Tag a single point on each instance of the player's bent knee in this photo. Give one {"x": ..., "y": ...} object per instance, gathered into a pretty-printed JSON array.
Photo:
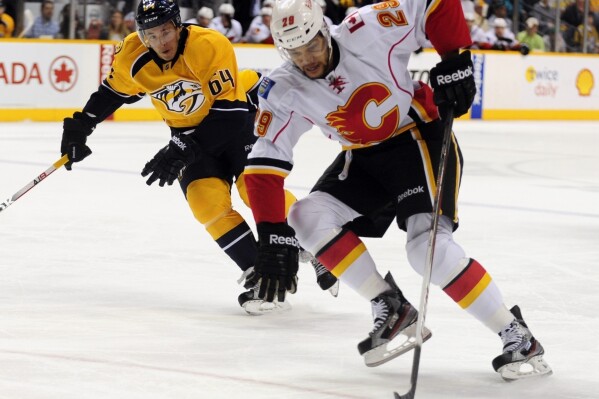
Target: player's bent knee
[
  {"x": 209, "y": 199},
  {"x": 448, "y": 260},
  {"x": 315, "y": 221}
]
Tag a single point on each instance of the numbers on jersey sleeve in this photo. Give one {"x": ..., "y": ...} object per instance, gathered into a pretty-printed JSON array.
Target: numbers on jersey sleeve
[
  {"x": 386, "y": 4},
  {"x": 221, "y": 79},
  {"x": 263, "y": 122},
  {"x": 388, "y": 18}
]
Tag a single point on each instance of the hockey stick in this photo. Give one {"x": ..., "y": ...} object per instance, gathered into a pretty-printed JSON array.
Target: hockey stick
[
  {"x": 29, "y": 19},
  {"x": 9, "y": 201},
  {"x": 430, "y": 252}
]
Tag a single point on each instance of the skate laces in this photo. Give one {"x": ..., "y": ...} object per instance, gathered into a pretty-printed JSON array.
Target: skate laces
[
  {"x": 515, "y": 337},
  {"x": 380, "y": 312}
]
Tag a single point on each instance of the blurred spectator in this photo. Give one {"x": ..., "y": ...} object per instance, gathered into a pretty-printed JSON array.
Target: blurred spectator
[
  {"x": 225, "y": 23},
  {"x": 65, "y": 24},
  {"x": 480, "y": 10},
  {"x": 499, "y": 9},
  {"x": 116, "y": 29},
  {"x": 94, "y": 29},
  {"x": 572, "y": 17},
  {"x": 129, "y": 21},
  {"x": 500, "y": 31},
  {"x": 477, "y": 35},
  {"x": 573, "y": 14},
  {"x": 530, "y": 36},
  {"x": 43, "y": 26},
  {"x": 204, "y": 18},
  {"x": 545, "y": 14},
  {"x": 592, "y": 36},
  {"x": 259, "y": 30},
  {"x": 556, "y": 43},
  {"x": 501, "y": 37},
  {"x": 467, "y": 6},
  {"x": 7, "y": 24}
]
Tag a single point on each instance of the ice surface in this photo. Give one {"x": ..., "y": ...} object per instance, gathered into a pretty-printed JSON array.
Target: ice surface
[{"x": 110, "y": 289}]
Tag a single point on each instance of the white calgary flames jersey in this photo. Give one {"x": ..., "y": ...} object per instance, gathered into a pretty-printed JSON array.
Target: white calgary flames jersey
[{"x": 364, "y": 100}]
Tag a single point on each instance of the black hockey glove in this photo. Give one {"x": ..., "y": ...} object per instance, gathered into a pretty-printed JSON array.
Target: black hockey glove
[
  {"x": 169, "y": 161},
  {"x": 277, "y": 262},
  {"x": 74, "y": 135},
  {"x": 453, "y": 83}
]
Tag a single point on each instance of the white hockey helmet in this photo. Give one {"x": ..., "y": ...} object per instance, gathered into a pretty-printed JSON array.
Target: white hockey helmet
[
  {"x": 206, "y": 12},
  {"x": 296, "y": 22},
  {"x": 226, "y": 9}
]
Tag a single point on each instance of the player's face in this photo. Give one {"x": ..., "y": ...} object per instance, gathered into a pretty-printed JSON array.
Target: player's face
[
  {"x": 312, "y": 58},
  {"x": 164, "y": 40}
]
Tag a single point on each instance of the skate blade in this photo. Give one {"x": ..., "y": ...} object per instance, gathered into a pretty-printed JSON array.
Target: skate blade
[
  {"x": 535, "y": 366},
  {"x": 334, "y": 289},
  {"x": 402, "y": 343},
  {"x": 259, "y": 307}
]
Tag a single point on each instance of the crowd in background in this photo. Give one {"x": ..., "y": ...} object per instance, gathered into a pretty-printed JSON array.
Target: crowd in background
[{"x": 247, "y": 21}]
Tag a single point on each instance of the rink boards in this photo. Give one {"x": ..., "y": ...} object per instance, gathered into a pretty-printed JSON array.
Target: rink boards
[{"x": 46, "y": 80}]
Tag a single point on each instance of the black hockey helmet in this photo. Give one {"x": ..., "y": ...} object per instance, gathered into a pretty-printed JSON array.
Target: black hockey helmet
[{"x": 152, "y": 13}]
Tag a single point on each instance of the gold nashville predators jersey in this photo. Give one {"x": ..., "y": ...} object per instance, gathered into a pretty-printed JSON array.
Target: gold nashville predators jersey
[{"x": 202, "y": 76}]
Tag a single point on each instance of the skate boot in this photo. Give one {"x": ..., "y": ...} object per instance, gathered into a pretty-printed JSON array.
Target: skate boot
[
  {"x": 522, "y": 355},
  {"x": 394, "y": 330},
  {"x": 255, "y": 306},
  {"x": 324, "y": 278}
]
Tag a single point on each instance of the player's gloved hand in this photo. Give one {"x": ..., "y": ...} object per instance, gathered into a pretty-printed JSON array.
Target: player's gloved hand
[
  {"x": 277, "y": 262},
  {"x": 74, "y": 135},
  {"x": 453, "y": 83},
  {"x": 169, "y": 161}
]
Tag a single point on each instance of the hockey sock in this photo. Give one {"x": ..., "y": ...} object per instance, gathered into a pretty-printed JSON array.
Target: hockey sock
[
  {"x": 476, "y": 292},
  {"x": 239, "y": 243},
  {"x": 347, "y": 258}
]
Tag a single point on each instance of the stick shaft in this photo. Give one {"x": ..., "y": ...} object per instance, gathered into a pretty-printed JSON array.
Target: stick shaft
[
  {"x": 56, "y": 165},
  {"x": 430, "y": 253}
]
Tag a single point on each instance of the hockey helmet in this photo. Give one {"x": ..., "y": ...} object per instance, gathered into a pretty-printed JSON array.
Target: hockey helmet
[
  {"x": 295, "y": 23},
  {"x": 152, "y": 13},
  {"x": 226, "y": 9}
]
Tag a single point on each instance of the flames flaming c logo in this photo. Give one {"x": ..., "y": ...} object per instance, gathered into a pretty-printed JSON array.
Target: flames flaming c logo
[{"x": 350, "y": 119}]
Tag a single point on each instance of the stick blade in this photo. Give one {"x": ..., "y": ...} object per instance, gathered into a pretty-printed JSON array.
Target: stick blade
[{"x": 408, "y": 395}]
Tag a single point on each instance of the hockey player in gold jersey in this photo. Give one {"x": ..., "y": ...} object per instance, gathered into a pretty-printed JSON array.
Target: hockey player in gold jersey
[{"x": 191, "y": 76}]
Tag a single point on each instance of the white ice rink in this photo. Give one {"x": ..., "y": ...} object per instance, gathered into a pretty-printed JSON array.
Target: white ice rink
[{"x": 109, "y": 289}]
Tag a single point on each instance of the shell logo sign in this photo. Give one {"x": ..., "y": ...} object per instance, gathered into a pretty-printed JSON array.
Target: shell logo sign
[{"x": 585, "y": 81}]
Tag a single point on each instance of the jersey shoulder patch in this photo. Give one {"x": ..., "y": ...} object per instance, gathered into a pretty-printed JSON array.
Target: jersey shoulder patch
[{"x": 265, "y": 87}]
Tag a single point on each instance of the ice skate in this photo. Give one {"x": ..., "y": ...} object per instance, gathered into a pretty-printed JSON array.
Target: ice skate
[
  {"x": 324, "y": 278},
  {"x": 522, "y": 355},
  {"x": 255, "y": 306},
  {"x": 394, "y": 330}
]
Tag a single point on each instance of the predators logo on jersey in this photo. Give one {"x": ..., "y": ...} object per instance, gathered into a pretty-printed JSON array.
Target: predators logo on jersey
[{"x": 181, "y": 97}]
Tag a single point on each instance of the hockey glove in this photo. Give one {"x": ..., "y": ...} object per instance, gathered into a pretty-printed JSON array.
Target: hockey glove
[
  {"x": 169, "y": 161},
  {"x": 453, "y": 83},
  {"x": 277, "y": 262},
  {"x": 74, "y": 135}
]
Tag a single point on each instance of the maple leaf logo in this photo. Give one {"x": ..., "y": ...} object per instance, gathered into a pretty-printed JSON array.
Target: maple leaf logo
[{"x": 63, "y": 74}]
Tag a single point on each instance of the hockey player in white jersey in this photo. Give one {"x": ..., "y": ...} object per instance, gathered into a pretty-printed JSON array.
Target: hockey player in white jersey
[{"x": 353, "y": 83}]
